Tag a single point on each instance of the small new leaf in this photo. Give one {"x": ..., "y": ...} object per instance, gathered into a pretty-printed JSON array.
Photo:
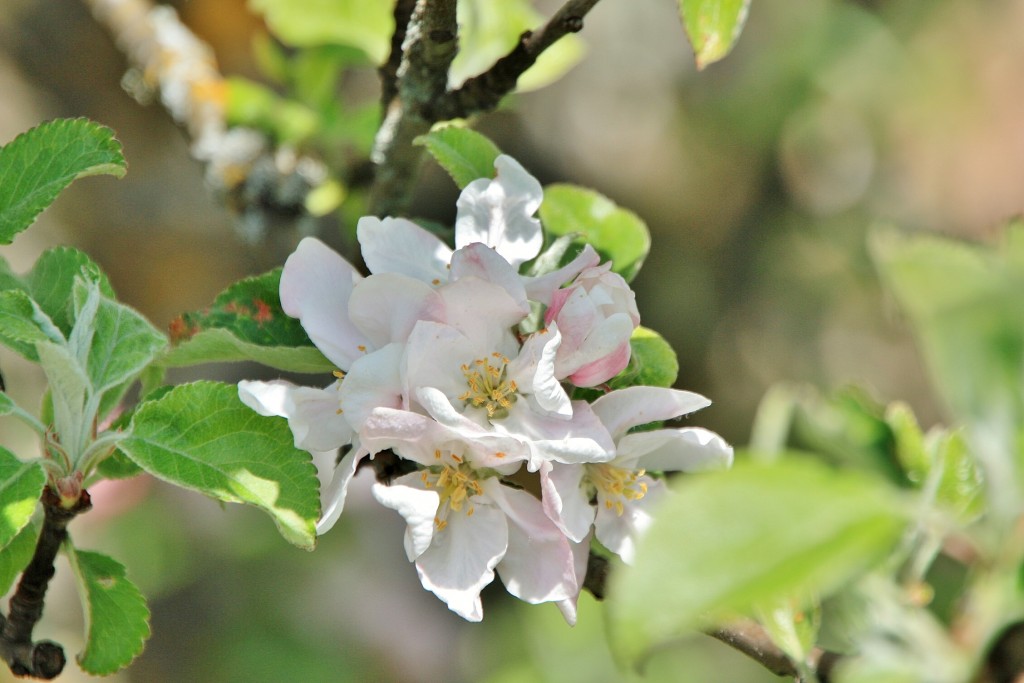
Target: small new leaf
[
  {"x": 202, "y": 437},
  {"x": 38, "y": 164},
  {"x": 713, "y": 26},
  {"x": 21, "y": 484},
  {"x": 464, "y": 153},
  {"x": 116, "y": 615},
  {"x": 23, "y": 324}
]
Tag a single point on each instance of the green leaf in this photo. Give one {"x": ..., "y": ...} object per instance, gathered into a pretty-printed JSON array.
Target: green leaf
[
  {"x": 910, "y": 446},
  {"x": 961, "y": 488},
  {"x": 713, "y": 26},
  {"x": 201, "y": 436},
  {"x": 730, "y": 541},
  {"x": 69, "y": 390},
  {"x": 253, "y": 104},
  {"x": 617, "y": 234},
  {"x": 490, "y": 30},
  {"x": 51, "y": 283},
  {"x": 7, "y": 404},
  {"x": 16, "y": 555},
  {"x": 116, "y": 615},
  {"x": 123, "y": 342},
  {"x": 652, "y": 362},
  {"x": 246, "y": 322},
  {"x": 23, "y": 324},
  {"x": 307, "y": 23},
  {"x": 21, "y": 484},
  {"x": 463, "y": 152},
  {"x": 38, "y": 164}
]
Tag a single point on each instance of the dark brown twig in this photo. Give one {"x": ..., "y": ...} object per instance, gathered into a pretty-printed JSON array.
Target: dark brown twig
[
  {"x": 389, "y": 70},
  {"x": 44, "y": 659}
]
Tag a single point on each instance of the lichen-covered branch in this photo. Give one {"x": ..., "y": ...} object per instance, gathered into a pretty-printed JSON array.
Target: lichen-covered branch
[{"x": 44, "y": 659}]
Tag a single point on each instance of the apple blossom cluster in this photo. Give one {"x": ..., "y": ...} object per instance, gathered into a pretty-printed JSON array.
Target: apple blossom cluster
[{"x": 455, "y": 361}]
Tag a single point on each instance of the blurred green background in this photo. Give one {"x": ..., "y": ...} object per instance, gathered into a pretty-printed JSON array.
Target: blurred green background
[{"x": 759, "y": 178}]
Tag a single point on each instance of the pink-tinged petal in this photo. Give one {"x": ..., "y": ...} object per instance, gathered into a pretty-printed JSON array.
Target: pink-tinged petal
[
  {"x": 619, "y": 533},
  {"x": 488, "y": 447},
  {"x": 315, "y": 288},
  {"x": 373, "y": 380},
  {"x": 544, "y": 287},
  {"x": 604, "y": 368},
  {"x": 624, "y": 409},
  {"x": 499, "y": 213},
  {"x": 539, "y": 565},
  {"x": 534, "y": 373},
  {"x": 385, "y": 307},
  {"x": 417, "y": 505},
  {"x": 461, "y": 559},
  {"x": 578, "y": 440},
  {"x": 413, "y": 435},
  {"x": 333, "y": 497},
  {"x": 397, "y": 245},
  {"x": 690, "y": 449},
  {"x": 312, "y": 413},
  {"x": 484, "y": 312},
  {"x": 565, "y": 501},
  {"x": 480, "y": 261},
  {"x": 581, "y": 553}
]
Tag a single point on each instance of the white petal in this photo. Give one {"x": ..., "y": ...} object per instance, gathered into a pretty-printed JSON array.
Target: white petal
[
  {"x": 619, "y": 533},
  {"x": 385, "y": 307},
  {"x": 461, "y": 559},
  {"x": 434, "y": 357},
  {"x": 418, "y": 506},
  {"x": 624, "y": 409},
  {"x": 484, "y": 312},
  {"x": 333, "y": 497},
  {"x": 581, "y": 554},
  {"x": 534, "y": 372},
  {"x": 312, "y": 413},
  {"x": 565, "y": 500},
  {"x": 373, "y": 380},
  {"x": 580, "y": 439},
  {"x": 539, "y": 565},
  {"x": 397, "y": 245},
  {"x": 488, "y": 448},
  {"x": 315, "y": 288},
  {"x": 499, "y": 213},
  {"x": 480, "y": 261},
  {"x": 689, "y": 449},
  {"x": 542, "y": 287}
]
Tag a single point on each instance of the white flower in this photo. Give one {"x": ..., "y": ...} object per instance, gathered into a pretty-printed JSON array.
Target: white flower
[
  {"x": 624, "y": 492},
  {"x": 597, "y": 315},
  {"x": 463, "y": 524}
]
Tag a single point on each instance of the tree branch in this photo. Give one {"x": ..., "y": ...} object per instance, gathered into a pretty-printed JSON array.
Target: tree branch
[
  {"x": 389, "y": 69},
  {"x": 484, "y": 92},
  {"x": 44, "y": 659}
]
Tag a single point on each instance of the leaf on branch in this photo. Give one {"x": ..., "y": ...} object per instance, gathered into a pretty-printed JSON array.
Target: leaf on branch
[
  {"x": 308, "y": 23},
  {"x": 116, "y": 615},
  {"x": 52, "y": 280},
  {"x": 617, "y": 234},
  {"x": 38, "y": 164},
  {"x": 23, "y": 324},
  {"x": 202, "y": 437},
  {"x": 21, "y": 484},
  {"x": 16, "y": 555},
  {"x": 713, "y": 26},
  {"x": 728, "y": 542},
  {"x": 463, "y": 152},
  {"x": 245, "y": 322}
]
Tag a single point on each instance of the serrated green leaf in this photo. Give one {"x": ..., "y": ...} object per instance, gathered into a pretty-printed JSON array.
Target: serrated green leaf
[
  {"x": 909, "y": 442},
  {"x": 201, "y": 436},
  {"x": 16, "y": 555},
  {"x": 463, "y": 152},
  {"x": 307, "y": 23},
  {"x": 245, "y": 322},
  {"x": 729, "y": 541},
  {"x": 68, "y": 391},
  {"x": 23, "y": 324},
  {"x": 961, "y": 487},
  {"x": 21, "y": 484},
  {"x": 38, "y": 164},
  {"x": 713, "y": 26},
  {"x": 52, "y": 278},
  {"x": 490, "y": 30},
  {"x": 620, "y": 236},
  {"x": 652, "y": 362},
  {"x": 7, "y": 404},
  {"x": 116, "y": 615}
]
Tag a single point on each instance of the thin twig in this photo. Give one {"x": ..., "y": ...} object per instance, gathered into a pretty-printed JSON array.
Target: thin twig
[
  {"x": 44, "y": 659},
  {"x": 389, "y": 69}
]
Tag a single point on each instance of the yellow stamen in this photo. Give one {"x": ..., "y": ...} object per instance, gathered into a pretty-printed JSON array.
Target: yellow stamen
[
  {"x": 489, "y": 387},
  {"x": 617, "y": 485}
]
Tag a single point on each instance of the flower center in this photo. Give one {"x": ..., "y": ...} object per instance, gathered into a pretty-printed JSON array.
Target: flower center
[
  {"x": 617, "y": 484},
  {"x": 455, "y": 482},
  {"x": 489, "y": 385}
]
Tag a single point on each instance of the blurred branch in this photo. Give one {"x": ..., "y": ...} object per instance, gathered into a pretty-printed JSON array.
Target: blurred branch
[
  {"x": 419, "y": 95},
  {"x": 389, "y": 70},
  {"x": 44, "y": 659},
  {"x": 166, "y": 56}
]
